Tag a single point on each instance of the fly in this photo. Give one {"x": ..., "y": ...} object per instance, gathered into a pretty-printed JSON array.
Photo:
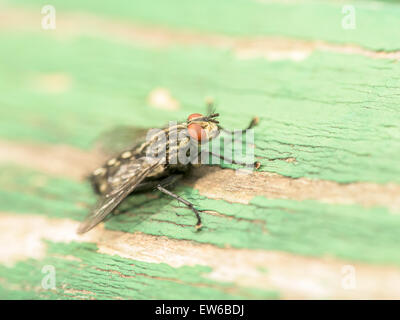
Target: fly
[{"x": 156, "y": 162}]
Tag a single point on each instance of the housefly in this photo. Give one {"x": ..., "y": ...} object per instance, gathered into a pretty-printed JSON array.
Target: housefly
[{"x": 156, "y": 161}]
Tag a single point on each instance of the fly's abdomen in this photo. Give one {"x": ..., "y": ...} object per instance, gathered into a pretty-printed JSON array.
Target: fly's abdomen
[
  {"x": 98, "y": 180},
  {"x": 115, "y": 171},
  {"x": 170, "y": 146}
]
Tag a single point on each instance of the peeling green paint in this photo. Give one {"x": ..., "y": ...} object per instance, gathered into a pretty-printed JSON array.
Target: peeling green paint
[
  {"x": 336, "y": 116},
  {"x": 309, "y": 228},
  {"x": 334, "y": 126},
  {"x": 307, "y": 19},
  {"x": 27, "y": 191},
  {"x": 100, "y": 276}
]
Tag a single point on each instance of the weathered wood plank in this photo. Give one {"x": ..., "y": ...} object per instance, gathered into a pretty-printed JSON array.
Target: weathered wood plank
[
  {"x": 321, "y": 120},
  {"x": 376, "y": 25},
  {"x": 328, "y": 140},
  {"x": 306, "y": 227}
]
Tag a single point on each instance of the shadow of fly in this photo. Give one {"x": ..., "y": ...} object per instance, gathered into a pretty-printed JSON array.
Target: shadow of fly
[{"x": 156, "y": 162}]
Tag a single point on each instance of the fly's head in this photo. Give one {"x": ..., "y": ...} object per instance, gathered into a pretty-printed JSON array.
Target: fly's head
[{"x": 202, "y": 128}]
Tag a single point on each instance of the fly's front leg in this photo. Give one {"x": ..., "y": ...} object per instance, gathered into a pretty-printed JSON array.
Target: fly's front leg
[
  {"x": 167, "y": 182},
  {"x": 251, "y": 125},
  {"x": 211, "y": 109},
  {"x": 254, "y": 165}
]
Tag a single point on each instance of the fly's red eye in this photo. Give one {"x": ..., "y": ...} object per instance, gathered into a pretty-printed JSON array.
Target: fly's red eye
[
  {"x": 197, "y": 132},
  {"x": 194, "y": 115}
]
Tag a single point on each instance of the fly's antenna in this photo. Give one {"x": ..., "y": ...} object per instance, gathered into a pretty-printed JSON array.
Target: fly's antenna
[
  {"x": 209, "y": 118},
  {"x": 211, "y": 108}
]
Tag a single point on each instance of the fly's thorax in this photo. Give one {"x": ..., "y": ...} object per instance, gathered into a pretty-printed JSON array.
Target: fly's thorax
[
  {"x": 180, "y": 143},
  {"x": 163, "y": 143},
  {"x": 212, "y": 131},
  {"x": 172, "y": 145}
]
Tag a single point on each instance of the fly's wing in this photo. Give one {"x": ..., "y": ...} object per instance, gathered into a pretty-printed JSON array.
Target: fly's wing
[
  {"x": 113, "y": 198},
  {"x": 113, "y": 141},
  {"x": 119, "y": 138}
]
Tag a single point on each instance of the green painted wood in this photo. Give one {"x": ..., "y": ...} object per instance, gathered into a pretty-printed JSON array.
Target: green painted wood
[
  {"x": 307, "y": 19},
  {"x": 317, "y": 111},
  {"x": 309, "y": 228},
  {"x": 336, "y": 115},
  {"x": 100, "y": 276}
]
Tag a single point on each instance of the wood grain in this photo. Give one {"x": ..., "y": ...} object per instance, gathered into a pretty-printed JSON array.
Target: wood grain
[{"x": 327, "y": 194}]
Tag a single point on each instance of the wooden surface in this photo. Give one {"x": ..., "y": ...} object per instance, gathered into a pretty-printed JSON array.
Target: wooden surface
[{"x": 326, "y": 197}]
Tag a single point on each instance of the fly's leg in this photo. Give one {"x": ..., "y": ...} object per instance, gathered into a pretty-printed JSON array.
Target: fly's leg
[
  {"x": 161, "y": 188},
  {"x": 255, "y": 164},
  {"x": 152, "y": 184},
  {"x": 185, "y": 202},
  {"x": 251, "y": 125},
  {"x": 211, "y": 109}
]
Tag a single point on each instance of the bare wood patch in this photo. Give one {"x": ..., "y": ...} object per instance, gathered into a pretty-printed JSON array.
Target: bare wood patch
[
  {"x": 293, "y": 276},
  {"x": 161, "y": 98},
  {"x": 51, "y": 82},
  {"x": 271, "y": 48},
  {"x": 55, "y": 160},
  {"x": 212, "y": 182},
  {"x": 217, "y": 183}
]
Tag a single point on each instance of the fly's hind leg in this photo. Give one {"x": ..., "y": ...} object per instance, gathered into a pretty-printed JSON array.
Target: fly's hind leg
[
  {"x": 168, "y": 181},
  {"x": 152, "y": 184}
]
